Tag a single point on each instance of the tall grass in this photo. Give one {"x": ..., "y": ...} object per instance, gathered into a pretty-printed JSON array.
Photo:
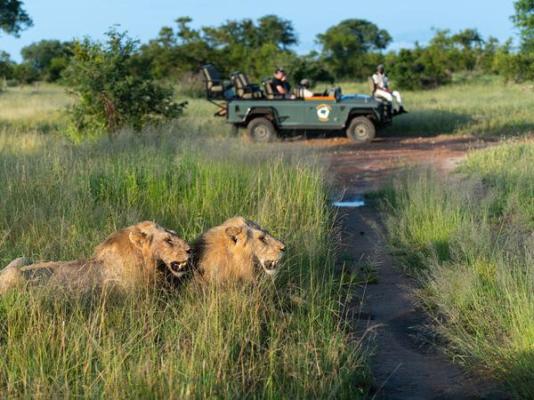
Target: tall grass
[
  {"x": 470, "y": 239},
  {"x": 58, "y": 200}
]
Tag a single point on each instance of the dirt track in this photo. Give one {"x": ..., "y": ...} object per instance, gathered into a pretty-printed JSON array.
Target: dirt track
[
  {"x": 356, "y": 169},
  {"x": 404, "y": 365}
]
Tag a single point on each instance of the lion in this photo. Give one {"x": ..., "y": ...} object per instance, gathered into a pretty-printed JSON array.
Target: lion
[
  {"x": 237, "y": 250},
  {"x": 131, "y": 257}
]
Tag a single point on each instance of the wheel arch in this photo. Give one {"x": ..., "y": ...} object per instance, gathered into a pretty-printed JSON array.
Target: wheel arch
[
  {"x": 264, "y": 112},
  {"x": 369, "y": 113}
]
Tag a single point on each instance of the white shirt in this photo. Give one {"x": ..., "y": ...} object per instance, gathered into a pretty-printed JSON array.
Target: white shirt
[{"x": 381, "y": 81}]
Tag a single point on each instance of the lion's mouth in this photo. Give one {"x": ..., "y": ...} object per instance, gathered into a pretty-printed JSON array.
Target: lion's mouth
[
  {"x": 269, "y": 267},
  {"x": 178, "y": 268}
]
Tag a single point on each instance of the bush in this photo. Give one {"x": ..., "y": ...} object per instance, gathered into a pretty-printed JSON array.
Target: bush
[
  {"x": 112, "y": 93},
  {"x": 515, "y": 67},
  {"x": 418, "y": 69}
]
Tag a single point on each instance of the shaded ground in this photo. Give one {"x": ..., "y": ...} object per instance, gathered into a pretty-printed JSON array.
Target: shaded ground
[{"x": 406, "y": 365}]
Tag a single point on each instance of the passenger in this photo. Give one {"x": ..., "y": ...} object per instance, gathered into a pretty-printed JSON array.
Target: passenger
[
  {"x": 304, "y": 91},
  {"x": 280, "y": 84},
  {"x": 383, "y": 91}
]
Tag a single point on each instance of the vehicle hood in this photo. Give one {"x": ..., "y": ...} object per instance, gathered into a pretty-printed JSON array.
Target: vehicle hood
[{"x": 357, "y": 98}]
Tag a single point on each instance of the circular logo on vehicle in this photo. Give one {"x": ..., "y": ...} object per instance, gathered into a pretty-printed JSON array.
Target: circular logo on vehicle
[{"x": 323, "y": 112}]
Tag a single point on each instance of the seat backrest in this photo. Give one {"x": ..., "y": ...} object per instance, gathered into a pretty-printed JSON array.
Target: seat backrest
[
  {"x": 212, "y": 76},
  {"x": 238, "y": 84},
  {"x": 244, "y": 79},
  {"x": 372, "y": 85},
  {"x": 268, "y": 88}
]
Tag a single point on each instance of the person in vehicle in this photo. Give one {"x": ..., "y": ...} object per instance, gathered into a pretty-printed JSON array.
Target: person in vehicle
[
  {"x": 383, "y": 91},
  {"x": 280, "y": 84},
  {"x": 304, "y": 91}
]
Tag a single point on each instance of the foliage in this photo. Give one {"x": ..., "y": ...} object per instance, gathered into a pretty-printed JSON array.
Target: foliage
[
  {"x": 48, "y": 58},
  {"x": 6, "y": 65},
  {"x": 524, "y": 21},
  {"x": 419, "y": 68},
  {"x": 111, "y": 92},
  {"x": 253, "y": 47},
  {"x": 13, "y": 17},
  {"x": 311, "y": 67},
  {"x": 346, "y": 45}
]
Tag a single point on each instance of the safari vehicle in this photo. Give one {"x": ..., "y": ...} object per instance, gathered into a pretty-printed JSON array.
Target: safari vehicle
[{"x": 267, "y": 116}]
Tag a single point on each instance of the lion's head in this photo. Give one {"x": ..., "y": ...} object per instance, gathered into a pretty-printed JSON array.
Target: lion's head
[
  {"x": 237, "y": 248},
  {"x": 163, "y": 245},
  {"x": 146, "y": 245}
]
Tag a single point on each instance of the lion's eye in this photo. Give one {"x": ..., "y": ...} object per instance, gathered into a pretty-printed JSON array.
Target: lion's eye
[
  {"x": 262, "y": 238},
  {"x": 168, "y": 240}
]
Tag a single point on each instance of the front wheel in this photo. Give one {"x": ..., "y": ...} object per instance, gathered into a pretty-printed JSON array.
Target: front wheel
[
  {"x": 361, "y": 130},
  {"x": 261, "y": 130}
]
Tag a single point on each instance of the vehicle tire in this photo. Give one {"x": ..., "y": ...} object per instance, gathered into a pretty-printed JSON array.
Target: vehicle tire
[
  {"x": 261, "y": 130},
  {"x": 361, "y": 130}
]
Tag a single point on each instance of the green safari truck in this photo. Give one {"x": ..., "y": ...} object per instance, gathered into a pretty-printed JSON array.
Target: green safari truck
[{"x": 267, "y": 116}]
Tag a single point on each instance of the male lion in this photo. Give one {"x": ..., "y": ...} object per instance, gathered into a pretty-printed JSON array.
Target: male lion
[
  {"x": 236, "y": 250},
  {"x": 127, "y": 259}
]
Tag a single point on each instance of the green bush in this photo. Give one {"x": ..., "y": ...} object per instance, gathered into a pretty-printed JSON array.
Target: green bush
[
  {"x": 112, "y": 93},
  {"x": 420, "y": 68}
]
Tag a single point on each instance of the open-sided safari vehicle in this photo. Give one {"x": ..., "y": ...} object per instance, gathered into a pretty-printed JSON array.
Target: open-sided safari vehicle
[{"x": 266, "y": 115}]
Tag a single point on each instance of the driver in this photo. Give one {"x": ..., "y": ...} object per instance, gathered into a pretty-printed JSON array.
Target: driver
[
  {"x": 280, "y": 84},
  {"x": 383, "y": 91}
]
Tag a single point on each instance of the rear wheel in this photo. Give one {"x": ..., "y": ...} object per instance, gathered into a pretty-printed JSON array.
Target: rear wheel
[
  {"x": 361, "y": 130},
  {"x": 261, "y": 130}
]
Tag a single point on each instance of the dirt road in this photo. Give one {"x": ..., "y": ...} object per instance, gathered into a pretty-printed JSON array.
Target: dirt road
[{"x": 404, "y": 365}]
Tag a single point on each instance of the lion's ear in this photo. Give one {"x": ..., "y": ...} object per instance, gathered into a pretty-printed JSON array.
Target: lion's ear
[
  {"x": 234, "y": 232},
  {"x": 138, "y": 238}
]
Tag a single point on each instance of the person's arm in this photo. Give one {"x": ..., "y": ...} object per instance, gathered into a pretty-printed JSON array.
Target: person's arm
[{"x": 281, "y": 89}]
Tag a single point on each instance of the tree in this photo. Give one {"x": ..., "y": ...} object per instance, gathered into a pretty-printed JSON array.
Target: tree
[
  {"x": 111, "y": 93},
  {"x": 345, "y": 46},
  {"x": 13, "y": 18},
  {"x": 468, "y": 39},
  {"x": 6, "y": 66},
  {"x": 524, "y": 21},
  {"x": 255, "y": 47},
  {"x": 48, "y": 58}
]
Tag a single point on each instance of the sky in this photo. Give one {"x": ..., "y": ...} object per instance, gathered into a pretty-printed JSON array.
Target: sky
[{"x": 407, "y": 21}]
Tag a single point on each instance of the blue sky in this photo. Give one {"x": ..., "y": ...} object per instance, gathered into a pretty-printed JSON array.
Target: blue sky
[{"x": 406, "y": 20}]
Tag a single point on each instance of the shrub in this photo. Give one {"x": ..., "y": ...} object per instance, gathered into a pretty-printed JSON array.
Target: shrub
[
  {"x": 420, "y": 68},
  {"x": 112, "y": 93},
  {"x": 516, "y": 67}
]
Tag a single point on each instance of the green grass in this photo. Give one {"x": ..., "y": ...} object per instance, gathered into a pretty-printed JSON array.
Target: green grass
[
  {"x": 59, "y": 199},
  {"x": 486, "y": 106},
  {"x": 469, "y": 239}
]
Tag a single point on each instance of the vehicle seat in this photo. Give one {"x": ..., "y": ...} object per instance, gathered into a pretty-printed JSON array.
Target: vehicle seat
[
  {"x": 268, "y": 89},
  {"x": 215, "y": 86},
  {"x": 243, "y": 88}
]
